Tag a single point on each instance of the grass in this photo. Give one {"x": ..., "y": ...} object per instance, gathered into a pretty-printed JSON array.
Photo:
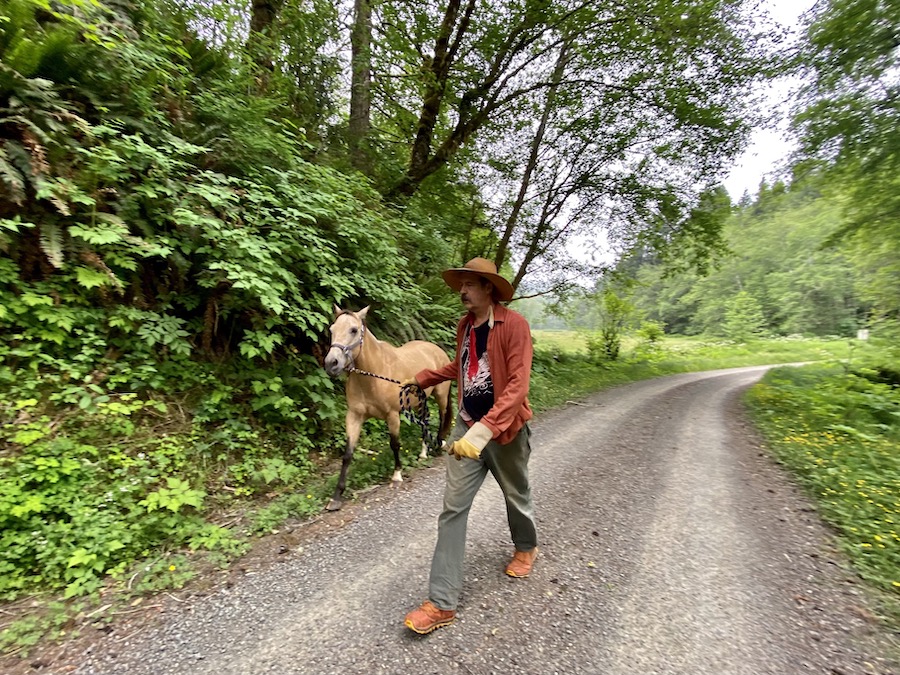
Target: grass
[
  {"x": 838, "y": 432},
  {"x": 562, "y": 370}
]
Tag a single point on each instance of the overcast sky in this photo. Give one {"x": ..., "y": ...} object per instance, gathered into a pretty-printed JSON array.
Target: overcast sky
[{"x": 769, "y": 148}]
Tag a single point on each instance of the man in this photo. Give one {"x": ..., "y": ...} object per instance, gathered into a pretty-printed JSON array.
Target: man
[{"x": 493, "y": 369}]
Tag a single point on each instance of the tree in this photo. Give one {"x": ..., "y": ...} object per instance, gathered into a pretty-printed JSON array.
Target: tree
[
  {"x": 360, "y": 83},
  {"x": 261, "y": 42},
  {"x": 744, "y": 318},
  {"x": 778, "y": 251},
  {"x": 444, "y": 76},
  {"x": 848, "y": 122},
  {"x": 602, "y": 315},
  {"x": 622, "y": 139}
]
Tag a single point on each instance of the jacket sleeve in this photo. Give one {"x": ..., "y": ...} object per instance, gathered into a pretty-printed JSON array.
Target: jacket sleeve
[{"x": 517, "y": 351}]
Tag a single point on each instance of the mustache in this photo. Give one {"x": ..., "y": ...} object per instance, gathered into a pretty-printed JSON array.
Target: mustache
[{"x": 464, "y": 297}]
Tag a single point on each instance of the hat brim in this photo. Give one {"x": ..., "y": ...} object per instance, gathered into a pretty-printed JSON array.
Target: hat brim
[{"x": 454, "y": 278}]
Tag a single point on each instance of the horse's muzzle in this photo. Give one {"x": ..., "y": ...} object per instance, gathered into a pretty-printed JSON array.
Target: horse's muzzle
[
  {"x": 334, "y": 363},
  {"x": 333, "y": 368}
]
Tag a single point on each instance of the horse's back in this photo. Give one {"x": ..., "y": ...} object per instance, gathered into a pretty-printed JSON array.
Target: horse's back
[{"x": 427, "y": 354}]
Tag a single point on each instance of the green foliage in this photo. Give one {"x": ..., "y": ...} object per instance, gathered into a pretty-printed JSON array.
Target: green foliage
[
  {"x": 299, "y": 505},
  {"x": 848, "y": 123},
  {"x": 52, "y": 622},
  {"x": 613, "y": 313},
  {"x": 838, "y": 431},
  {"x": 744, "y": 319},
  {"x": 76, "y": 508},
  {"x": 651, "y": 331},
  {"x": 649, "y": 347},
  {"x": 88, "y": 496},
  {"x": 779, "y": 253}
]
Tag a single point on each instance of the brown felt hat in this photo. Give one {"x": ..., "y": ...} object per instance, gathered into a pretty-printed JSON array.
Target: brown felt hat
[{"x": 483, "y": 268}]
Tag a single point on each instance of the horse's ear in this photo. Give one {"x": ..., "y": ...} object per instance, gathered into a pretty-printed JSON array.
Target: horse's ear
[
  {"x": 362, "y": 313},
  {"x": 337, "y": 311}
]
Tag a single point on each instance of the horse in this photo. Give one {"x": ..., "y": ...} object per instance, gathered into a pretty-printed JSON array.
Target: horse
[{"x": 354, "y": 348}]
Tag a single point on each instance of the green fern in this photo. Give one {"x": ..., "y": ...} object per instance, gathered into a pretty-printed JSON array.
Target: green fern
[
  {"x": 11, "y": 178},
  {"x": 52, "y": 243}
]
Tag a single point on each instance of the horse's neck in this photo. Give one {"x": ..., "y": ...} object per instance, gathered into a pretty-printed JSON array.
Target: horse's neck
[{"x": 374, "y": 353}]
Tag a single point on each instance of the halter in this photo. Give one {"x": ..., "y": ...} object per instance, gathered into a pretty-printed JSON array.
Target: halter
[
  {"x": 417, "y": 412},
  {"x": 348, "y": 349}
]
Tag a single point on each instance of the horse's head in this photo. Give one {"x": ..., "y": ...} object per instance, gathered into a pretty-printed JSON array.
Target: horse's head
[{"x": 347, "y": 333}]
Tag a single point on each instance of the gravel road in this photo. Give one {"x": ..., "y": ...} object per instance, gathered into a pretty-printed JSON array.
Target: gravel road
[{"x": 670, "y": 544}]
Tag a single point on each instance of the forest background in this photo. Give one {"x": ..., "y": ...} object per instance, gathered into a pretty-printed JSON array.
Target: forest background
[{"x": 188, "y": 188}]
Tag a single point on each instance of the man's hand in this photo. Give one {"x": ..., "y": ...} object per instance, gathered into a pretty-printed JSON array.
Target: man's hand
[
  {"x": 462, "y": 448},
  {"x": 409, "y": 381},
  {"x": 471, "y": 445}
]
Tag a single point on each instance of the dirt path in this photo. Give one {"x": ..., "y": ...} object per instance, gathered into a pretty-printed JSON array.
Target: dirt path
[{"x": 670, "y": 545}]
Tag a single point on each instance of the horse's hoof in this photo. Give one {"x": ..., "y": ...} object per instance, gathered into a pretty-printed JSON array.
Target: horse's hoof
[
  {"x": 334, "y": 505},
  {"x": 396, "y": 483}
]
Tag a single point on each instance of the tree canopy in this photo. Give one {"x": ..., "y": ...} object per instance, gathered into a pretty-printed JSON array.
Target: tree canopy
[{"x": 848, "y": 123}]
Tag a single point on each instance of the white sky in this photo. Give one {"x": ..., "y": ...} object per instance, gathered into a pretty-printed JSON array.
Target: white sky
[{"x": 769, "y": 148}]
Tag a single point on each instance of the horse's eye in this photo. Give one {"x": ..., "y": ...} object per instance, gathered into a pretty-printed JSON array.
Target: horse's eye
[{"x": 353, "y": 331}]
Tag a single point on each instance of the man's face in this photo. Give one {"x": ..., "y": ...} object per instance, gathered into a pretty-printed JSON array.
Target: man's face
[{"x": 474, "y": 292}]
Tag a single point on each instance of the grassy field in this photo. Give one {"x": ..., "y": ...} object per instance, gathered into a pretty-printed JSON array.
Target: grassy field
[
  {"x": 704, "y": 350},
  {"x": 563, "y": 371},
  {"x": 838, "y": 433}
]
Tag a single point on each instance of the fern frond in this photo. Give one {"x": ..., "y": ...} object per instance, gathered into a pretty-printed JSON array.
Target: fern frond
[
  {"x": 95, "y": 261},
  {"x": 52, "y": 243},
  {"x": 39, "y": 164},
  {"x": 27, "y": 126},
  {"x": 11, "y": 178},
  {"x": 47, "y": 190}
]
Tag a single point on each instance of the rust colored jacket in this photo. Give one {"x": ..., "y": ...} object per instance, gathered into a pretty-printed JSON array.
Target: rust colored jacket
[{"x": 509, "y": 352}]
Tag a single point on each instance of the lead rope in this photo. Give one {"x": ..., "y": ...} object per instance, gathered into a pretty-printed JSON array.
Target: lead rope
[{"x": 417, "y": 413}]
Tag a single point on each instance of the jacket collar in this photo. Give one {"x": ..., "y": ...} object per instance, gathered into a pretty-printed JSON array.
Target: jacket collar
[{"x": 498, "y": 313}]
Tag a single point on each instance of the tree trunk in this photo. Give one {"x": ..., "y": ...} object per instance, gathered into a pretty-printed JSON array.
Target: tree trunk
[
  {"x": 361, "y": 83},
  {"x": 421, "y": 163},
  {"x": 263, "y": 15}
]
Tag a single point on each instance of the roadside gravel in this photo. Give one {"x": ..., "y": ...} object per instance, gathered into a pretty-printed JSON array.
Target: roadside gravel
[{"x": 670, "y": 544}]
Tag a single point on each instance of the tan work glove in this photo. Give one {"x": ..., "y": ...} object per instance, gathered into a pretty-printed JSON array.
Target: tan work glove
[
  {"x": 408, "y": 381},
  {"x": 472, "y": 443}
]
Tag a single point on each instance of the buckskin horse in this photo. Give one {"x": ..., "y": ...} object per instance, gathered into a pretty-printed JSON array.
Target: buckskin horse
[{"x": 374, "y": 369}]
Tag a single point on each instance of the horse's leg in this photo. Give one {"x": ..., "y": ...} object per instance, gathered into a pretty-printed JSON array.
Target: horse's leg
[
  {"x": 393, "y": 424},
  {"x": 423, "y": 453},
  {"x": 445, "y": 410},
  {"x": 354, "y": 426}
]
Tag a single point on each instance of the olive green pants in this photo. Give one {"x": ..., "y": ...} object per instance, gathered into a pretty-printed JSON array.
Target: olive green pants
[{"x": 509, "y": 465}]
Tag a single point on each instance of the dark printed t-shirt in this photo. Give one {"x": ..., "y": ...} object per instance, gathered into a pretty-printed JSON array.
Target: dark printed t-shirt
[{"x": 478, "y": 391}]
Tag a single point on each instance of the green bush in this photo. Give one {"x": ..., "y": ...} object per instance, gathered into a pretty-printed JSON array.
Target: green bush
[{"x": 76, "y": 508}]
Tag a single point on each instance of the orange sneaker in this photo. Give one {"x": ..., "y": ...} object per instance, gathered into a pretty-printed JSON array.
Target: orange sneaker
[
  {"x": 522, "y": 562},
  {"x": 428, "y": 617}
]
